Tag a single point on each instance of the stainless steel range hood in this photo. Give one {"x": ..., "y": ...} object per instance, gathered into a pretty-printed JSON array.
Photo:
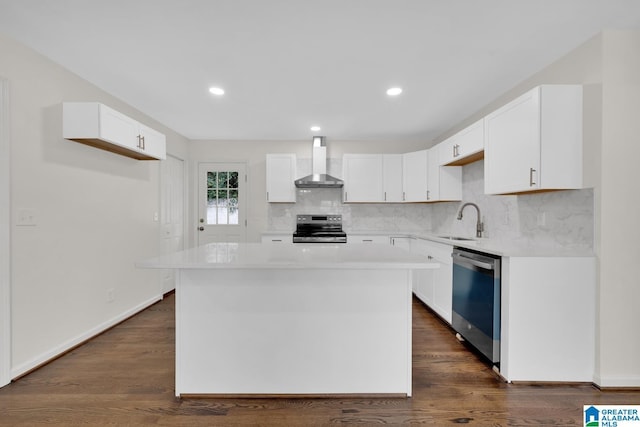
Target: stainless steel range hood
[{"x": 319, "y": 177}]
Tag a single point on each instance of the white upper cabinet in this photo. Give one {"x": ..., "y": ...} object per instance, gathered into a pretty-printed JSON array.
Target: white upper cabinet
[
  {"x": 392, "y": 177},
  {"x": 363, "y": 178},
  {"x": 397, "y": 178},
  {"x": 414, "y": 180},
  {"x": 444, "y": 183},
  {"x": 535, "y": 142},
  {"x": 464, "y": 147},
  {"x": 97, "y": 125},
  {"x": 281, "y": 174}
]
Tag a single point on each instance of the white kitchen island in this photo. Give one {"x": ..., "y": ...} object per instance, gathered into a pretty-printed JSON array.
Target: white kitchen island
[{"x": 293, "y": 319}]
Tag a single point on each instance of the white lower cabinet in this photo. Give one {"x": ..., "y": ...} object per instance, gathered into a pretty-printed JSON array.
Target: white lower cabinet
[
  {"x": 548, "y": 319},
  {"x": 403, "y": 242},
  {"x": 366, "y": 238},
  {"x": 277, "y": 238},
  {"x": 435, "y": 287}
]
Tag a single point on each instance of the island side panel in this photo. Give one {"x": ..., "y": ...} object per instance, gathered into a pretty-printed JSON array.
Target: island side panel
[{"x": 281, "y": 331}]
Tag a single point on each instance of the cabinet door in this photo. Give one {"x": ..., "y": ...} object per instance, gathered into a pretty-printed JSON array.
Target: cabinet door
[
  {"x": 414, "y": 180},
  {"x": 512, "y": 152},
  {"x": 152, "y": 143},
  {"x": 423, "y": 280},
  {"x": 442, "y": 280},
  {"x": 401, "y": 242},
  {"x": 444, "y": 182},
  {"x": 392, "y": 177},
  {"x": 281, "y": 174},
  {"x": 433, "y": 175},
  {"x": 464, "y": 147},
  {"x": 435, "y": 287},
  {"x": 363, "y": 178},
  {"x": 535, "y": 142},
  {"x": 118, "y": 129}
]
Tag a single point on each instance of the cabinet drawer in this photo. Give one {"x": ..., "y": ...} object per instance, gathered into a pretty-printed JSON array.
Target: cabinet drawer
[{"x": 368, "y": 239}]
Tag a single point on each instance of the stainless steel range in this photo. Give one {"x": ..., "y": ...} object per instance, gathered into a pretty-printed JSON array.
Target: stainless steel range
[{"x": 319, "y": 229}]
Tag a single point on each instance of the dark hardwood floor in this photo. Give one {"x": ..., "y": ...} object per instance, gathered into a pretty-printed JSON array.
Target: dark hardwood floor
[{"x": 124, "y": 377}]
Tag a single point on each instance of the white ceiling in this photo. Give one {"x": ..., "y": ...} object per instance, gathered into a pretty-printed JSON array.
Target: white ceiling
[{"x": 290, "y": 64}]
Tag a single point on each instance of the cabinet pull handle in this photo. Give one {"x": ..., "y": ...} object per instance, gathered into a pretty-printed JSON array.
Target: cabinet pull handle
[
  {"x": 456, "y": 150},
  {"x": 267, "y": 196},
  {"x": 385, "y": 196},
  {"x": 143, "y": 145},
  {"x": 428, "y": 195},
  {"x": 346, "y": 196},
  {"x": 403, "y": 198},
  {"x": 367, "y": 240},
  {"x": 531, "y": 182}
]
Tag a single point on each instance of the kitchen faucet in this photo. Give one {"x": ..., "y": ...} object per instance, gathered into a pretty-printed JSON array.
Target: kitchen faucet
[{"x": 479, "y": 224}]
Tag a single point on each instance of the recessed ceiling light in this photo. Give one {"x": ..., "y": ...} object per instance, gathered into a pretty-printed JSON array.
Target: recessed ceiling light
[
  {"x": 216, "y": 90},
  {"x": 394, "y": 91},
  {"x": 315, "y": 128}
]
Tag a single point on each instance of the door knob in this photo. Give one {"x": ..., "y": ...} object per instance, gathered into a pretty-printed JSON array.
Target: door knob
[{"x": 201, "y": 228}]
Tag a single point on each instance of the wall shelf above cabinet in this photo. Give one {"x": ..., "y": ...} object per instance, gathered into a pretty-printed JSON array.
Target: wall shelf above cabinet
[{"x": 99, "y": 126}]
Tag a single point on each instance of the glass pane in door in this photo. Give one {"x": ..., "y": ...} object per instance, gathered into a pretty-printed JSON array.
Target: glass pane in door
[{"x": 222, "y": 198}]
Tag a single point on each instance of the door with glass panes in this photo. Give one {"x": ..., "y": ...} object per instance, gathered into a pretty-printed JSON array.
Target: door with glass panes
[{"x": 221, "y": 202}]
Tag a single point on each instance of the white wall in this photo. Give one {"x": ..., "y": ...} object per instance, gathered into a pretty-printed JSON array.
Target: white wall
[
  {"x": 619, "y": 209},
  {"x": 5, "y": 249},
  {"x": 94, "y": 214}
]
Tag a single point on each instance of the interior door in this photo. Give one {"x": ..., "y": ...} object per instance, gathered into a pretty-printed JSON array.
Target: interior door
[
  {"x": 171, "y": 213},
  {"x": 222, "y": 206}
]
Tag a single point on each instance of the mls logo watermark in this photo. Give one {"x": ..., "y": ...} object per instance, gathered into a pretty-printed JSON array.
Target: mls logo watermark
[{"x": 611, "y": 415}]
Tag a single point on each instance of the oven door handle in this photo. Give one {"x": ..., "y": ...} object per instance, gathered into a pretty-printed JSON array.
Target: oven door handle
[{"x": 474, "y": 262}]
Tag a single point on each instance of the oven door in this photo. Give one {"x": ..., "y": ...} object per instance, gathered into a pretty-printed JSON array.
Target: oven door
[
  {"x": 319, "y": 237},
  {"x": 476, "y": 301}
]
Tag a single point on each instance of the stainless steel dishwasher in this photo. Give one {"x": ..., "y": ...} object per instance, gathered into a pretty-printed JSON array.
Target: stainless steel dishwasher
[{"x": 476, "y": 300}]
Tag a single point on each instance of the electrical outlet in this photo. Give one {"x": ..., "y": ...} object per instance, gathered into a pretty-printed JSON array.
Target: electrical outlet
[{"x": 111, "y": 295}]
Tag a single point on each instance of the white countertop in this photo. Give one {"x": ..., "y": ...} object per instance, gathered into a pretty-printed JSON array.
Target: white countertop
[
  {"x": 290, "y": 256},
  {"x": 495, "y": 246}
]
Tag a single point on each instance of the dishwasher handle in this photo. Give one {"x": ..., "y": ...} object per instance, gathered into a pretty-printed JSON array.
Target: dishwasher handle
[{"x": 473, "y": 261}]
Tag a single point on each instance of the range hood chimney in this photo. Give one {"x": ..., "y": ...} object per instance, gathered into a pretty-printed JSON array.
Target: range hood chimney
[{"x": 319, "y": 177}]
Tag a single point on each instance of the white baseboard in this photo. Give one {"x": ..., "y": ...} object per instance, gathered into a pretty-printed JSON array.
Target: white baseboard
[
  {"x": 17, "y": 371},
  {"x": 632, "y": 381}
]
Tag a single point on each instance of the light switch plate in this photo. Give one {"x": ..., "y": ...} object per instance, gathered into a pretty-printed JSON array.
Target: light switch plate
[{"x": 26, "y": 217}]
